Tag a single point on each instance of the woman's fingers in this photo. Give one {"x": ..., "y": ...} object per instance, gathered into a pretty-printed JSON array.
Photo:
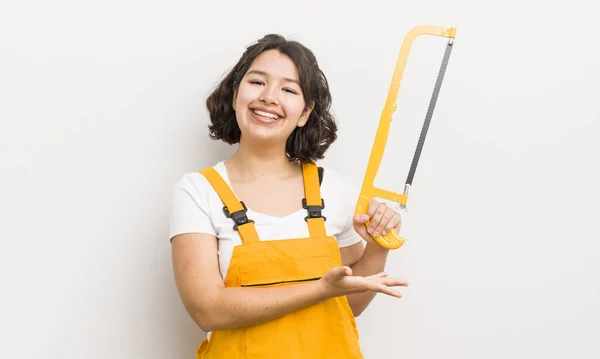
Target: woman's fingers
[
  {"x": 381, "y": 283},
  {"x": 377, "y": 215},
  {"x": 389, "y": 281},
  {"x": 340, "y": 272},
  {"x": 378, "y": 275},
  {"x": 395, "y": 282},
  {"x": 382, "y": 288},
  {"x": 384, "y": 221},
  {"x": 390, "y": 291}
]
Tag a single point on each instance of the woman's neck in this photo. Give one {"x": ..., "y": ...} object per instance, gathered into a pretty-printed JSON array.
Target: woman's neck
[{"x": 253, "y": 162}]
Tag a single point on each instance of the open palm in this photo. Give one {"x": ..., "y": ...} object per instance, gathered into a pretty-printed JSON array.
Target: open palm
[{"x": 340, "y": 281}]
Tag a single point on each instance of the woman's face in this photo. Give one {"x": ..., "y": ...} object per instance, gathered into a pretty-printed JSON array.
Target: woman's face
[{"x": 269, "y": 102}]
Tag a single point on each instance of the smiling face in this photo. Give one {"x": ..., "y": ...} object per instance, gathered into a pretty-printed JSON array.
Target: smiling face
[{"x": 269, "y": 103}]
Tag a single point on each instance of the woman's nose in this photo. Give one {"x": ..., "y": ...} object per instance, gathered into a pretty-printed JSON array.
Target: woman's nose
[{"x": 270, "y": 95}]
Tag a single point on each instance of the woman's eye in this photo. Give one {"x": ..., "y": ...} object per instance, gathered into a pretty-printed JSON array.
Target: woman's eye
[
  {"x": 256, "y": 82},
  {"x": 289, "y": 90}
]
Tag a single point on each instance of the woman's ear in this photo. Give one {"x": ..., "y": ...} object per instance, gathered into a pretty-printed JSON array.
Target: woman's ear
[
  {"x": 306, "y": 115},
  {"x": 234, "y": 98}
]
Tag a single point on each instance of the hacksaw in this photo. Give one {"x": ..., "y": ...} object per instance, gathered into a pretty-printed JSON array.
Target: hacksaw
[{"x": 368, "y": 190}]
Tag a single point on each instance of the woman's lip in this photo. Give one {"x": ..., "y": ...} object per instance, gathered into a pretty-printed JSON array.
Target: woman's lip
[
  {"x": 262, "y": 109},
  {"x": 263, "y": 119}
]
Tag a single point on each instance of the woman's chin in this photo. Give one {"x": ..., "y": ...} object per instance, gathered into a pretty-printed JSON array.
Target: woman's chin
[{"x": 265, "y": 135}]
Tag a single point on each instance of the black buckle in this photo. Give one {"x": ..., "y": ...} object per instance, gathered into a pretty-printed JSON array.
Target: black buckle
[
  {"x": 314, "y": 211},
  {"x": 238, "y": 217}
]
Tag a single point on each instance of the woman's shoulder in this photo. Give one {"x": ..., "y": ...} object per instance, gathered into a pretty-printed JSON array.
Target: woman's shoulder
[
  {"x": 196, "y": 182},
  {"x": 340, "y": 193}
]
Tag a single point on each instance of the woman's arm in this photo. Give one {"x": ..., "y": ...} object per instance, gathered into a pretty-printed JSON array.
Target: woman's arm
[
  {"x": 213, "y": 306},
  {"x": 364, "y": 261},
  {"x": 370, "y": 259}
]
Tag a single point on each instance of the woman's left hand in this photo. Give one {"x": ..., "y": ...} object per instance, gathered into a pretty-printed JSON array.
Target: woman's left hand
[{"x": 382, "y": 219}]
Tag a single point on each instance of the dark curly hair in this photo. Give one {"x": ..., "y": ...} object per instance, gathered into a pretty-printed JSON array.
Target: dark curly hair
[{"x": 305, "y": 144}]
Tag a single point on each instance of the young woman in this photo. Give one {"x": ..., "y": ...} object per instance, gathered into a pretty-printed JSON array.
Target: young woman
[{"x": 268, "y": 257}]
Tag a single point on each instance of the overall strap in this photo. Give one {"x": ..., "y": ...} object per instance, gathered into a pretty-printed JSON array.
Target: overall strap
[
  {"x": 313, "y": 202},
  {"x": 233, "y": 209}
]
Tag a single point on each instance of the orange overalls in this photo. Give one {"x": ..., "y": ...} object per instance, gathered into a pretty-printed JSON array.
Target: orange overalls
[{"x": 326, "y": 330}]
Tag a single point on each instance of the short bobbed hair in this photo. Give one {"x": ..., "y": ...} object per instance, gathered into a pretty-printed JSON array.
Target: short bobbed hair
[{"x": 305, "y": 144}]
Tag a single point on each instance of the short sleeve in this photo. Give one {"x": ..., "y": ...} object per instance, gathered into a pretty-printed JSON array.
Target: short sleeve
[
  {"x": 190, "y": 211},
  {"x": 348, "y": 236},
  {"x": 343, "y": 193}
]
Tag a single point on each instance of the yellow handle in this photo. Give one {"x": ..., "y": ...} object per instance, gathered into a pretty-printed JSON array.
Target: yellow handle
[{"x": 392, "y": 240}]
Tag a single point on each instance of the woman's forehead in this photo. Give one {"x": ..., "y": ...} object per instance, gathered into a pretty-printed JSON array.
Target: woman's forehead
[{"x": 276, "y": 65}]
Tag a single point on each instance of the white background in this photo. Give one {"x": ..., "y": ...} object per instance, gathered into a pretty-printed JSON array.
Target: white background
[{"x": 102, "y": 110}]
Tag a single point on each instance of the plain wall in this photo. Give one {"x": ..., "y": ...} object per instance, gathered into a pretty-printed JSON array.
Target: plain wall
[{"x": 102, "y": 111}]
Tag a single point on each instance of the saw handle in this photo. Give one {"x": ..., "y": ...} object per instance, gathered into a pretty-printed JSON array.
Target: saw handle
[{"x": 391, "y": 240}]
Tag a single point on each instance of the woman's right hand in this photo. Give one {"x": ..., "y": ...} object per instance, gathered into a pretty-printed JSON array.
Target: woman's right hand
[{"x": 340, "y": 281}]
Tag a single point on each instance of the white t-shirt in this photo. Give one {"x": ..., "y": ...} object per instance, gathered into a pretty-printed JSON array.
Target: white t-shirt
[{"x": 196, "y": 208}]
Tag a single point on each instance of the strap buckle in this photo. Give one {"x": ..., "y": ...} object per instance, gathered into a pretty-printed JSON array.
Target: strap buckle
[
  {"x": 239, "y": 217},
  {"x": 314, "y": 211}
]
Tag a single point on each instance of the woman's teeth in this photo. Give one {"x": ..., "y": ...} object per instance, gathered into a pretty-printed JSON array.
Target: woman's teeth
[{"x": 266, "y": 114}]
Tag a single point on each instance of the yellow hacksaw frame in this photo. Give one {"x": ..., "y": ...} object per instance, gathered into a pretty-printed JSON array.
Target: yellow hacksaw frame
[{"x": 368, "y": 191}]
